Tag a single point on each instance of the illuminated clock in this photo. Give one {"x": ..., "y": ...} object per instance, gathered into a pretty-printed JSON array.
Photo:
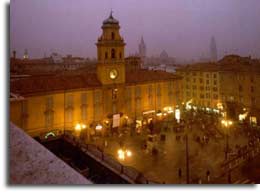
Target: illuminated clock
[{"x": 113, "y": 74}]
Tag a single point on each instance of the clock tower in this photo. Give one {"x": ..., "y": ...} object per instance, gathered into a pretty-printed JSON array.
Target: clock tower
[{"x": 110, "y": 53}]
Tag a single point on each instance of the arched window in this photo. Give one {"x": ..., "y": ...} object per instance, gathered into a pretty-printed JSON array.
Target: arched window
[
  {"x": 106, "y": 55},
  {"x": 120, "y": 55},
  {"x": 113, "y": 36},
  {"x": 113, "y": 54}
]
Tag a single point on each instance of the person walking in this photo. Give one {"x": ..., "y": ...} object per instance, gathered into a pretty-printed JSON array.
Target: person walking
[
  {"x": 208, "y": 176},
  {"x": 179, "y": 175}
]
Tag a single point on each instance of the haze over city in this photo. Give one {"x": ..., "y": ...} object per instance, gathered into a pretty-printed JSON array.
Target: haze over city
[{"x": 181, "y": 27}]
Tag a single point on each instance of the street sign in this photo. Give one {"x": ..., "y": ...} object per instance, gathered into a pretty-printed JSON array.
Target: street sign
[{"x": 116, "y": 120}]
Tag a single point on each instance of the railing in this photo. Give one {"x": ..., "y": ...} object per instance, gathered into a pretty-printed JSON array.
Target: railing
[
  {"x": 240, "y": 158},
  {"x": 130, "y": 173}
]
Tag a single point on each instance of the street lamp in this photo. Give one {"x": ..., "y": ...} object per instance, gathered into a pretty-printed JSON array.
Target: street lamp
[
  {"x": 226, "y": 123},
  {"x": 79, "y": 127},
  {"x": 123, "y": 153}
]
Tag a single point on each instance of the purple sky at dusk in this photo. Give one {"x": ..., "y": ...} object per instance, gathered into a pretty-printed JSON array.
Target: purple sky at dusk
[{"x": 181, "y": 27}]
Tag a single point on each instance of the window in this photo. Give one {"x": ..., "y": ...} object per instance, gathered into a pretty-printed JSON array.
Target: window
[
  {"x": 128, "y": 95},
  {"x": 158, "y": 90},
  {"x": 69, "y": 101},
  {"x": 207, "y": 88},
  {"x": 84, "y": 98},
  {"x": 253, "y": 100},
  {"x": 113, "y": 54},
  {"x": 114, "y": 108},
  {"x": 113, "y": 36},
  {"x": 106, "y": 55},
  {"x": 170, "y": 88},
  {"x": 194, "y": 87},
  {"x": 150, "y": 95},
  {"x": 241, "y": 100},
  {"x": 159, "y": 96},
  {"x": 194, "y": 79},
  {"x": 138, "y": 92},
  {"x": 24, "y": 114},
  {"x": 49, "y": 103},
  {"x": 69, "y": 109},
  {"x": 215, "y": 75},
  {"x": 120, "y": 55},
  {"x": 215, "y": 82},
  {"x": 150, "y": 90},
  {"x": 84, "y": 106},
  {"x": 215, "y": 96},
  {"x": 49, "y": 119},
  {"x": 187, "y": 87},
  {"x": 215, "y": 89},
  {"x": 97, "y": 105},
  {"x": 201, "y": 96},
  {"x": 207, "y": 81},
  {"x": 252, "y": 89},
  {"x": 69, "y": 116},
  {"x": 207, "y": 95},
  {"x": 194, "y": 73},
  {"x": 201, "y": 88},
  {"x": 240, "y": 88},
  {"x": 201, "y": 80},
  {"x": 49, "y": 113}
]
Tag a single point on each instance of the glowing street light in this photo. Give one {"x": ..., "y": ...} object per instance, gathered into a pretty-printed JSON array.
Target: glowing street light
[
  {"x": 226, "y": 123},
  {"x": 78, "y": 127},
  {"x": 123, "y": 153}
]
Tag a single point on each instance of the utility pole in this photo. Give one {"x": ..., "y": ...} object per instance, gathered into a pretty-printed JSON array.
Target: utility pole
[{"x": 187, "y": 160}]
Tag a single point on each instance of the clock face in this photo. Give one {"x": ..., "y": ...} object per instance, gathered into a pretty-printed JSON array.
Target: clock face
[{"x": 113, "y": 74}]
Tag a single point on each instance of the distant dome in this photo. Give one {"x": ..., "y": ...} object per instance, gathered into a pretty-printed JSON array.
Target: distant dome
[
  {"x": 110, "y": 20},
  {"x": 164, "y": 55}
]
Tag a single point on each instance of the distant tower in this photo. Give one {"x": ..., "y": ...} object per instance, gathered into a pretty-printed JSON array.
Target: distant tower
[
  {"x": 142, "y": 51},
  {"x": 213, "y": 49},
  {"x": 14, "y": 54},
  {"x": 25, "y": 55}
]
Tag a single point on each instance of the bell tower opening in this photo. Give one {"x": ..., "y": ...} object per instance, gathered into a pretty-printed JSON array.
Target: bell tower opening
[
  {"x": 113, "y": 54},
  {"x": 112, "y": 35}
]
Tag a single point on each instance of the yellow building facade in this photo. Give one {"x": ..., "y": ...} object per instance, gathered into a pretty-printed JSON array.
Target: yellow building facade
[
  {"x": 230, "y": 85},
  {"x": 55, "y": 103}
]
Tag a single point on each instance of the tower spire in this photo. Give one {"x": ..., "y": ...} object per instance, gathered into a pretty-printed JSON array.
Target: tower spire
[{"x": 111, "y": 14}]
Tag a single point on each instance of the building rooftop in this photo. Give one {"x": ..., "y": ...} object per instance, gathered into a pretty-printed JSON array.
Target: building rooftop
[
  {"x": 48, "y": 83},
  {"x": 229, "y": 63},
  {"x": 143, "y": 76},
  {"x": 31, "y": 85},
  {"x": 31, "y": 163}
]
